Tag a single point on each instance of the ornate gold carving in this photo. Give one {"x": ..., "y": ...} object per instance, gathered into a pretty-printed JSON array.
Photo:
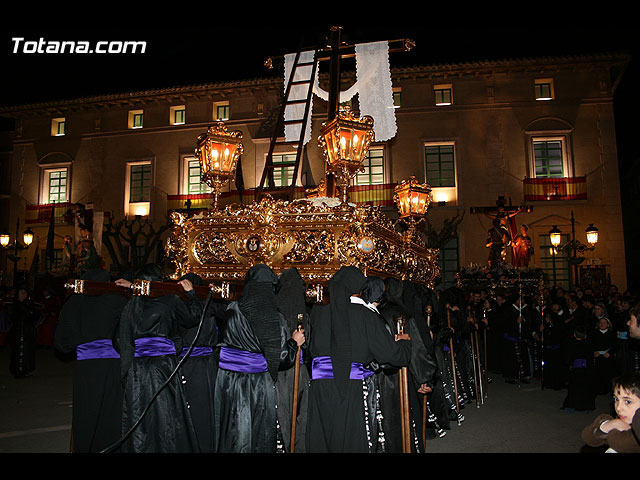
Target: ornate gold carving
[{"x": 317, "y": 236}]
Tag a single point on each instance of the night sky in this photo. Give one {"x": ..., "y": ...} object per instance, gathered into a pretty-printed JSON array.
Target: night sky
[{"x": 231, "y": 53}]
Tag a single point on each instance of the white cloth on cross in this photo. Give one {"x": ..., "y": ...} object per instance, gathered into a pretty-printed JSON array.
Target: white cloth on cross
[{"x": 373, "y": 86}]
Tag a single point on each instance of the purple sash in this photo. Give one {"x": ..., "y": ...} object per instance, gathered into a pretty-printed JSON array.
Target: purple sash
[
  {"x": 580, "y": 363},
  {"x": 322, "y": 368},
  {"x": 97, "y": 349},
  {"x": 197, "y": 351},
  {"x": 242, "y": 361},
  {"x": 154, "y": 347},
  {"x": 511, "y": 339}
]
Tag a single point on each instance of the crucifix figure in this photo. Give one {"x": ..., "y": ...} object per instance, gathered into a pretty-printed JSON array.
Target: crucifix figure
[{"x": 503, "y": 231}]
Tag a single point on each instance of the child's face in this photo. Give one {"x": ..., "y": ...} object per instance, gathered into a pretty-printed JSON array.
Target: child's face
[{"x": 626, "y": 404}]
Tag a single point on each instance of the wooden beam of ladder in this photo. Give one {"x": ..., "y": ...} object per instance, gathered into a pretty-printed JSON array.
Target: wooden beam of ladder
[{"x": 267, "y": 173}]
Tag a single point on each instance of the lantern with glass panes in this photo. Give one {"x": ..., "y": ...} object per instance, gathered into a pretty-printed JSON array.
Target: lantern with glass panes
[
  {"x": 218, "y": 151},
  {"x": 344, "y": 142}
]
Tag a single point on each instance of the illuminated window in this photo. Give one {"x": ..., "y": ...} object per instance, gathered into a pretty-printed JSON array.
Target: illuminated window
[
  {"x": 140, "y": 183},
  {"x": 284, "y": 164},
  {"x": 440, "y": 165},
  {"x": 443, "y": 94},
  {"x": 55, "y": 185},
  {"x": 549, "y": 158},
  {"x": 58, "y": 126},
  {"x": 221, "y": 111},
  {"x": 136, "y": 118},
  {"x": 177, "y": 115},
  {"x": 397, "y": 97},
  {"x": 193, "y": 184},
  {"x": 544, "y": 89},
  {"x": 373, "y": 173}
]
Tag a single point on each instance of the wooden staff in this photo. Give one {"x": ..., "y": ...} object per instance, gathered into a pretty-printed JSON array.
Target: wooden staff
[
  {"x": 476, "y": 375},
  {"x": 296, "y": 383},
  {"x": 425, "y": 407},
  {"x": 486, "y": 358},
  {"x": 453, "y": 364},
  {"x": 404, "y": 399}
]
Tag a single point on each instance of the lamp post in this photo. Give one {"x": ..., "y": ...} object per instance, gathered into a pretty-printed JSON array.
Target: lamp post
[
  {"x": 218, "y": 151},
  {"x": 27, "y": 238},
  {"x": 573, "y": 246}
]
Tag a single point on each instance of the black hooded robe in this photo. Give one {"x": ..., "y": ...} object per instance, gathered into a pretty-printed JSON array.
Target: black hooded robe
[
  {"x": 291, "y": 302},
  {"x": 350, "y": 336},
  {"x": 422, "y": 369},
  {"x": 167, "y": 426},
  {"x": 87, "y": 325},
  {"x": 199, "y": 371},
  {"x": 245, "y": 396}
]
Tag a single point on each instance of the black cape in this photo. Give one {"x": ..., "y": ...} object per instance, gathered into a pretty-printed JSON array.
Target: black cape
[{"x": 97, "y": 389}]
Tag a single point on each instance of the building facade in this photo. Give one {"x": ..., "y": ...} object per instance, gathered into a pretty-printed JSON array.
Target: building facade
[{"x": 536, "y": 133}]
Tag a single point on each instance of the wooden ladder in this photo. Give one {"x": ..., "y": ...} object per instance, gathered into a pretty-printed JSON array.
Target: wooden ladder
[{"x": 288, "y": 193}]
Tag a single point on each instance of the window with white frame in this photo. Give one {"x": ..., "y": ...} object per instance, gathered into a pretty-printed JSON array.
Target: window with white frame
[
  {"x": 543, "y": 88},
  {"x": 221, "y": 111},
  {"x": 550, "y": 157},
  {"x": 192, "y": 175},
  {"x": 373, "y": 165},
  {"x": 177, "y": 115},
  {"x": 55, "y": 185},
  {"x": 136, "y": 119},
  {"x": 138, "y": 188},
  {"x": 443, "y": 94},
  {"x": 284, "y": 165}
]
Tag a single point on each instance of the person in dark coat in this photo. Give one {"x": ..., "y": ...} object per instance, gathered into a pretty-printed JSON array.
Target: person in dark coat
[
  {"x": 580, "y": 390},
  {"x": 198, "y": 372},
  {"x": 24, "y": 316},
  {"x": 290, "y": 299},
  {"x": 518, "y": 319},
  {"x": 150, "y": 338},
  {"x": 254, "y": 347},
  {"x": 87, "y": 326},
  {"x": 346, "y": 336},
  {"x": 421, "y": 371}
]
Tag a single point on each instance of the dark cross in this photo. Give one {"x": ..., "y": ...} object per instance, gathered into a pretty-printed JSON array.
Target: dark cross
[
  {"x": 188, "y": 204},
  {"x": 336, "y": 52},
  {"x": 504, "y": 213}
]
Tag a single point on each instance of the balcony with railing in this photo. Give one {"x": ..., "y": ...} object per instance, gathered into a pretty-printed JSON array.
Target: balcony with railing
[
  {"x": 381, "y": 195},
  {"x": 550, "y": 189},
  {"x": 41, "y": 214}
]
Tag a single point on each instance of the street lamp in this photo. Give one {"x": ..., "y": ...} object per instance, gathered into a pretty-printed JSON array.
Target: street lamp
[
  {"x": 218, "y": 151},
  {"x": 573, "y": 246},
  {"x": 344, "y": 142},
  {"x": 27, "y": 238}
]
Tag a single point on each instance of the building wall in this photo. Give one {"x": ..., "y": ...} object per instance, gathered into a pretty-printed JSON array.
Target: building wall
[{"x": 493, "y": 116}]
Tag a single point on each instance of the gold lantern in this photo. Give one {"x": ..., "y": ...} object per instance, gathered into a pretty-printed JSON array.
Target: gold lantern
[
  {"x": 344, "y": 142},
  {"x": 413, "y": 200},
  {"x": 218, "y": 151}
]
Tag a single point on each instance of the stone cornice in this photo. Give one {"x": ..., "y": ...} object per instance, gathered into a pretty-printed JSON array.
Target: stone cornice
[{"x": 480, "y": 67}]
